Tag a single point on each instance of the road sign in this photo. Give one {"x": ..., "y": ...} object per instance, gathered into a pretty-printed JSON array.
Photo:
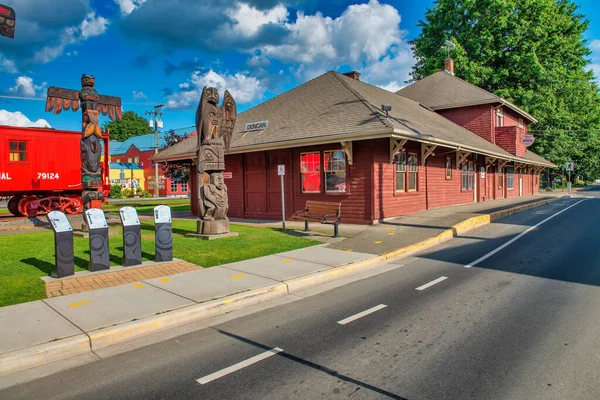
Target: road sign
[
  {"x": 528, "y": 140},
  {"x": 281, "y": 170},
  {"x": 570, "y": 166}
]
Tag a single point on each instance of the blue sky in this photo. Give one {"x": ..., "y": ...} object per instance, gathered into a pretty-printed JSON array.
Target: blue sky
[{"x": 164, "y": 51}]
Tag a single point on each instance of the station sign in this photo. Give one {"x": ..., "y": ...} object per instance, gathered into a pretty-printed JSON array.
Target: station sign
[
  {"x": 528, "y": 140},
  {"x": 257, "y": 126}
]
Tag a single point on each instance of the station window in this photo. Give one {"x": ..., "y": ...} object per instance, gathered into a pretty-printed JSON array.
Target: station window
[
  {"x": 510, "y": 178},
  {"x": 184, "y": 187},
  {"x": 448, "y": 167},
  {"x": 413, "y": 169},
  {"x": 136, "y": 160},
  {"x": 401, "y": 172},
  {"x": 407, "y": 170},
  {"x": 173, "y": 186},
  {"x": 310, "y": 170},
  {"x": 499, "y": 117},
  {"x": 17, "y": 151},
  {"x": 468, "y": 176},
  {"x": 335, "y": 171}
]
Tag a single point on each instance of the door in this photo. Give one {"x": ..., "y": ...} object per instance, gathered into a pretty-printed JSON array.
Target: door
[
  {"x": 275, "y": 158},
  {"x": 520, "y": 182},
  {"x": 490, "y": 183},
  {"x": 255, "y": 183}
]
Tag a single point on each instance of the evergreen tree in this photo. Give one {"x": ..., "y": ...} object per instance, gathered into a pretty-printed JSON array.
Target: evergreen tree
[
  {"x": 532, "y": 53},
  {"x": 129, "y": 126}
]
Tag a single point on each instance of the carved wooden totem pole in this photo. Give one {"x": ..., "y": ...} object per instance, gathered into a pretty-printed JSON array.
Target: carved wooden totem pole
[
  {"x": 8, "y": 20},
  {"x": 214, "y": 127},
  {"x": 92, "y": 104}
]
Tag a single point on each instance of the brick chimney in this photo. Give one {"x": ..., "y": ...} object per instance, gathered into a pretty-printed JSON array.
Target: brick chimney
[
  {"x": 353, "y": 74},
  {"x": 449, "y": 65}
]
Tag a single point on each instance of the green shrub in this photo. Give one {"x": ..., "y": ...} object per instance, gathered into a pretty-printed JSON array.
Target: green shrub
[
  {"x": 116, "y": 192},
  {"x": 128, "y": 193}
]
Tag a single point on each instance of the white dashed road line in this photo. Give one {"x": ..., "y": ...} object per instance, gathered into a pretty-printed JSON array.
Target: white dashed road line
[
  {"x": 238, "y": 366},
  {"x": 361, "y": 314},
  {"x": 433, "y": 282},
  {"x": 511, "y": 241}
]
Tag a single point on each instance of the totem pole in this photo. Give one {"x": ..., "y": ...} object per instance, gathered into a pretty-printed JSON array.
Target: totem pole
[
  {"x": 214, "y": 127},
  {"x": 8, "y": 20},
  {"x": 92, "y": 104}
]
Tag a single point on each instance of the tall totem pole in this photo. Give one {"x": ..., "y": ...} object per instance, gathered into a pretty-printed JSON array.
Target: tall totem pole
[
  {"x": 92, "y": 105},
  {"x": 8, "y": 20},
  {"x": 214, "y": 127}
]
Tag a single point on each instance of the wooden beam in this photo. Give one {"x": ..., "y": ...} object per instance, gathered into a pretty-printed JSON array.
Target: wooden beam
[
  {"x": 461, "y": 157},
  {"x": 502, "y": 163},
  {"x": 396, "y": 146},
  {"x": 347, "y": 147},
  {"x": 426, "y": 151},
  {"x": 490, "y": 161}
]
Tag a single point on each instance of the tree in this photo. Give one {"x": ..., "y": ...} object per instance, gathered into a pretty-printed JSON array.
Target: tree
[
  {"x": 530, "y": 52},
  {"x": 129, "y": 126},
  {"x": 178, "y": 172}
]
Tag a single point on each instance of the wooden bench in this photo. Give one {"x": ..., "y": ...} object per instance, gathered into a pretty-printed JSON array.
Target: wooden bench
[{"x": 321, "y": 211}]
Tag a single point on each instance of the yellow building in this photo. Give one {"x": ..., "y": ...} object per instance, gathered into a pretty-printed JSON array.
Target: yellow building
[{"x": 128, "y": 175}]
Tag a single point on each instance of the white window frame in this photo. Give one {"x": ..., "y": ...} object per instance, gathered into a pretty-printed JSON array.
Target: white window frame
[
  {"x": 318, "y": 170},
  {"x": 400, "y": 162},
  {"x": 176, "y": 186},
  {"x": 334, "y": 171},
  {"x": 510, "y": 178},
  {"x": 499, "y": 118}
]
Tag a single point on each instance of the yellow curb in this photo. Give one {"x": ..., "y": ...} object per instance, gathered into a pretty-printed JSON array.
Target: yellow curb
[
  {"x": 79, "y": 303},
  {"x": 460, "y": 228}
]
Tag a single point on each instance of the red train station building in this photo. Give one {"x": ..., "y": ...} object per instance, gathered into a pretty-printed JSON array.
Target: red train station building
[{"x": 443, "y": 142}]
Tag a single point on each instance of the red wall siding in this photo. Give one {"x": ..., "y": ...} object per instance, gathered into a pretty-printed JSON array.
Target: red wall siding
[
  {"x": 388, "y": 203},
  {"x": 477, "y": 119},
  {"x": 234, "y": 164},
  {"x": 445, "y": 192}
]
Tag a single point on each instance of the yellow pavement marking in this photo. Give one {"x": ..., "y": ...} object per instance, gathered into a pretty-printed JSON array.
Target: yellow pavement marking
[
  {"x": 391, "y": 233},
  {"x": 138, "y": 285},
  {"x": 79, "y": 303},
  {"x": 288, "y": 260},
  {"x": 378, "y": 242},
  {"x": 390, "y": 229},
  {"x": 348, "y": 251},
  {"x": 238, "y": 276},
  {"x": 165, "y": 280}
]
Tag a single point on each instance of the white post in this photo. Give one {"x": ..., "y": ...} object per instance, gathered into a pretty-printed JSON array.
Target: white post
[{"x": 282, "y": 204}]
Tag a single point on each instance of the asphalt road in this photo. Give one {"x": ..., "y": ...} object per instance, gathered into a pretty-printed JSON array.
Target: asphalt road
[{"x": 523, "y": 323}]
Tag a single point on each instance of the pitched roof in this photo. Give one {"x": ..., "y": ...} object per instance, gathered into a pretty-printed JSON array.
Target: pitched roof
[
  {"x": 123, "y": 165},
  {"x": 531, "y": 156},
  {"x": 333, "y": 108},
  {"x": 145, "y": 142},
  {"x": 444, "y": 90}
]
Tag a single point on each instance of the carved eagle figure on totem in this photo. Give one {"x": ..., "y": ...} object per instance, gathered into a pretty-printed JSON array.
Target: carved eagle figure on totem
[
  {"x": 212, "y": 121},
  {"x": 8, "y": 20}
]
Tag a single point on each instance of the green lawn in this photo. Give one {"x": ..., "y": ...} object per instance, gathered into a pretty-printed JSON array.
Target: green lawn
[
  {"x": 24, "y": 258},
  {"x": 148, "y": 206}
]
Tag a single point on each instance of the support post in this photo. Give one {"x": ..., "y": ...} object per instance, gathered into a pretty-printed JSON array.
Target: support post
[
  {"x": 336, "y": 230},
  {"x": 306, "y": 226},
  {"x": 282, "y": 203}
]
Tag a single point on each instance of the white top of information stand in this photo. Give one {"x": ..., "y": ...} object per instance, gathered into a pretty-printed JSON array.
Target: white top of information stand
[
  {"x": 59, "y": 221},
  {"x": 162, "y": 214},
  {"x": 95, "y": 218},
  {"x": 129, "y": 216}
]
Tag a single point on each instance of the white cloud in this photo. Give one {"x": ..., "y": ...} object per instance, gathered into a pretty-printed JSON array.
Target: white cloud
[
  {"x": 595, "y": 45},
  {"x": 127, "y": 6},
  {"x": 25, "y": 87},
  {"x": 44, "y": 36},
  {"x": 18, "y": 119},
  {"x": 247, "y": 20},
  {"x": 139, "y": 95},
  {"x": 93, "y": 25},
  {"x": 366, "y": 36},
  {"x": 242, "y": 87}
]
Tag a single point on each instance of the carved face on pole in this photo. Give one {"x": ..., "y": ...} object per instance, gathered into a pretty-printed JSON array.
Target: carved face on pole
[
  {"x": 87, "y": 80},
  {"x": 7, "y": 21},
  {"x": 216, "y": 178}
]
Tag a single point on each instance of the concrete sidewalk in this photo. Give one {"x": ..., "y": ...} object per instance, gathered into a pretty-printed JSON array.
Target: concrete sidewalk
[{"x": 58, "y": 328}]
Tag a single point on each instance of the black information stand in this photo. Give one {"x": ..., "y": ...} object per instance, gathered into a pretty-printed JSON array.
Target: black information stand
[
  {"x": 99, "y": 255},
  {"x": 63, "y": 244},
  {"x": 132, "y": 242},
  {"x": 163, "y": 233}
]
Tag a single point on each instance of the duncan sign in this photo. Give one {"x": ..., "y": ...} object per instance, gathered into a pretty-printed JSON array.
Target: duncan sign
[{"x": 257, "y": 126}]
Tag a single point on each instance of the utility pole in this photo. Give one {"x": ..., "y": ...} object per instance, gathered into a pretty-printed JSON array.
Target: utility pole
[{"x": 155, "y": 114}]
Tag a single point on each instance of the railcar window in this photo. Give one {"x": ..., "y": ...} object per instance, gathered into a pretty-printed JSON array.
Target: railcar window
[{"x": 17, "y": 151}]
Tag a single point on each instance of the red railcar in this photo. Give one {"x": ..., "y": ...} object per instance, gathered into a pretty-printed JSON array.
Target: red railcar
[{"x": 40, "y": 170}]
